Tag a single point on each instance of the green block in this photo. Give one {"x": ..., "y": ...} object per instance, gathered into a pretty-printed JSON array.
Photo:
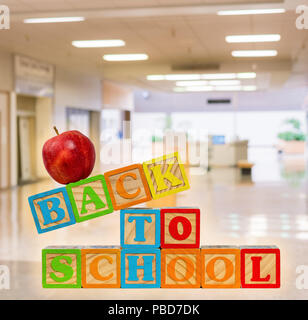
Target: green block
[
  {"x": 89, "y": 198},
  {"x": 63, "y": 267}
]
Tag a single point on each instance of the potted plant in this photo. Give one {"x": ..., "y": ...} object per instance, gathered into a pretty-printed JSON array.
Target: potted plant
[{"x": 292, "y": 140}]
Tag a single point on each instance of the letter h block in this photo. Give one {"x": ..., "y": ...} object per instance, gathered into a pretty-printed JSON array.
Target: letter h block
[
  {"x": 140, "y": 268},
  {"x": 140, "y": 228},
  {"x": 51, "y": 210},
  {"x": 180, "y": 228}
]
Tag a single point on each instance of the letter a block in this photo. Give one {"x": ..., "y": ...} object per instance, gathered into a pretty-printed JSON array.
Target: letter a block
[
  {"x": 51, "y": 210},
  {"x": 165, "y": 175},
  {"x": 180, "y": 227},
  {"x": 61, "y": 267},
  {"x": 89, "y": 198},
  {"x": 140, "y": 228},
  {"x": 260, "y": 267},
  {"x": 220, "y": 267},
  {"x": 101, "y": 267},
  {"x": 180, "y": 268},
  {"x": 127, "y": 186},
  {"x": 140, "y": 268}
]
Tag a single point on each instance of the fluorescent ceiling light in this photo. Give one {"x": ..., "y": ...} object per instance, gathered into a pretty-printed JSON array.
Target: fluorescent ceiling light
[
  {"x": 215, "y": 76},
  {"x": 125, "y": 57},
  {"x": 253, "y": 38},
  {"x": 224, "y": 82},
  {"x": 98, "y": 43},
  {"x": 249, "y": 88},
  {"x": 156, "y": 77},
  {"x": 254, "y": 53},
  {"x": 54, "y": 20},
  {"x": 228, "y": 88},
  {"x": 191, "y": 83},
  {"x": 214, "y": 88},
  {"x": 175, "y": 77},
  {"x": 199, "y": 88},
  {"x": 250, "y": 11},
  {"x": 246, "y": 75}
]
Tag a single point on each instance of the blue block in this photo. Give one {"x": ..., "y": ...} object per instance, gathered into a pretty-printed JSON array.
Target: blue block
[
  {"x": 43, "y": 204},
  {"x": 129, "y": 258},
  {"x": 140, "y": 219}
]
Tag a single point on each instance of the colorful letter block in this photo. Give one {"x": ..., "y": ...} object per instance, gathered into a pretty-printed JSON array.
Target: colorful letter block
[
  {"x": 61, "y": 267},
  {"x": 180, "y": 227},
  {"x": 165, "y": 175},
  {"x": 127, "y": 186},
  {"x": 51, "y": 210},
  {"x": 140, "y": 228},
  {"x": 140, "y": 268},
  {"x": 100, "y": 267},
  {"x": 260, "y": 267},
  {"x": 89, "y": 198},
  {"x": 180, "y": 268},
  {"x": 220, "y": 267}
]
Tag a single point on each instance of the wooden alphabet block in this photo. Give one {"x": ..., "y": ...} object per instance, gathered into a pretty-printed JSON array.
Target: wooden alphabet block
[
  {"x": 220, "y": 266},
  {"x": 140, "y": 268},
  {"x": 89, "y": 198},
  {"x": 140, "y": 228},
  {"x": 260, "y": 267},
  {"x": 61, "y": 267},
  {"x": 100, "y": 267},
  {"x": 127, "y": 186},
  {"x": 180, "y": 268},
  {"x": 180, "y": 227},
  {"x": 165, "y": 175},
  {"x": 51, "y": 210}
]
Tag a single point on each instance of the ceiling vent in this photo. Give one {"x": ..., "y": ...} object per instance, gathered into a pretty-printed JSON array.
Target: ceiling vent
[
  {"x": 195, "y": 67},
  {"x": 218, "y": 101}
]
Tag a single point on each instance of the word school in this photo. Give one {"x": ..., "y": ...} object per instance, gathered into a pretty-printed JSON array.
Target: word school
[
  {"x": 160, "y": 248},
  {"x": 102, "y": 194}
]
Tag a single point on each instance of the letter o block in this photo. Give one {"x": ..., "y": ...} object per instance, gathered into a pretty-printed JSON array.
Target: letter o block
[
  {"x": 61, "y": 267},
  {"x": 101, "y": 267},
  {"x": 180, "y": 228},
  {"x": 127, "y": 186},
  {"x": 260, "y": 267},
  {"x": 180, "y": 268},
  {"x": 220, "y": 267}
]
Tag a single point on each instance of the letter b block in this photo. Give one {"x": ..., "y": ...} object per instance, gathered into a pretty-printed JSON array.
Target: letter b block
[
  {"x": 140, "y": 268},
  {"x": 140, "y": 228},
  {"x": 165, "y": 175},
  {"x": 61, "y": 267},
  {"x": 127, "y": 186},
  {"x": 180, "y": 228},
  {"x": 51, "y": 210}
]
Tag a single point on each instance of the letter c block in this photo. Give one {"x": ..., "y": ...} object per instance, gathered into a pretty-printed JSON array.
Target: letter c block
[
  {"x": 180, "y": 227},
  {"x": 61, "y": 267},
  {"x": 51, "y": 210},
  {"x": 127, "y": 186},
  {"x": 101, "y": 267}
]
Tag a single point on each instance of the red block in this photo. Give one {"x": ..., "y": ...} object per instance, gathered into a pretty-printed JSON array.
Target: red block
[{"x": 180, "y": 227}]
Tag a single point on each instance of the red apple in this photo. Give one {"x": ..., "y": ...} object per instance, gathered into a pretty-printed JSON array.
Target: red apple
[{"x": 69, "y": 156}]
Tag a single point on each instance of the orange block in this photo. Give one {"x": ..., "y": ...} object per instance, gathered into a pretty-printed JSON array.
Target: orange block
[
  {"x": 180, "y": 268},
  {"x": 127, "y": 186},
  {"x": 100, "y": 267},
  {"x": 220, "y": 267}
]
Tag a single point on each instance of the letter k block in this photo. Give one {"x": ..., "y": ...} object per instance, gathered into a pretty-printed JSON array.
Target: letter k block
[
  {"x": 165, "y": 175},
  {"x": 51, "y": 210},
  {"x": 140, "y": 228}
]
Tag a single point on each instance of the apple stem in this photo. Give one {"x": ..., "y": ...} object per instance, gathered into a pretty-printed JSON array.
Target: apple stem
[{"x": 56, "y": 130}]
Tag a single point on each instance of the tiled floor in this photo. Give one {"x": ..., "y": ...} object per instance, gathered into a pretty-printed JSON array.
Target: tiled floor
[{"x": 270, "y": 208}]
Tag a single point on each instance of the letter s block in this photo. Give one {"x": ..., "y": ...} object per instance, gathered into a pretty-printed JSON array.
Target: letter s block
[
  {"x": 51, "y": 210},
  {"x": 140, "y": 228},
  {"x": 101, "y": 267},
  {"x": 180, "y": 227},
  {"x": 165, "y": 175},
  {"x": 220, "y": 267},
  {"x": 127, "y": 186},
  {"x": 180, "y": 268},
  {"x": 89, "y": 198},
  {"x": 61, "y": 267},
  {"x": 260, "y": 267}
]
